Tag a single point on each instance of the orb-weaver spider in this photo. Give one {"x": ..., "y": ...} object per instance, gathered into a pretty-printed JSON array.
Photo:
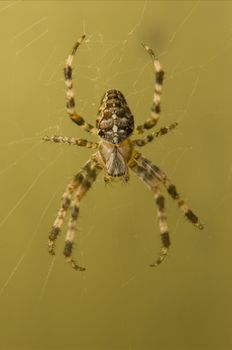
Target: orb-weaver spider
[{"x": 116, "y": 154}]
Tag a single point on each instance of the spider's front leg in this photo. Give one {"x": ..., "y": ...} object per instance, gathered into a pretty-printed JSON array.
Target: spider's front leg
[
  {"x": 150, "y": 174},
  {"x": 155, "y": 109},
  {"x": 91, "y": 171},
  {"x": 71, "y": 198},
  {"x": 70, "y": 102},
  {"x": 65, "y": 204},
  {"x": 154, "y": 171},
  {"x": 153, "y": 185}
]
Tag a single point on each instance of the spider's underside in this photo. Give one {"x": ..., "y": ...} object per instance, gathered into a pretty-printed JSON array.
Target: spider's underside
[{"x": 116, "y": 154}]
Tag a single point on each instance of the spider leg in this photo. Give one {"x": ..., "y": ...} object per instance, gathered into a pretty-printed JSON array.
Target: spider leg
[
  {"x": 65, "y": 204},
  {"x": 153, "y": 185},
  {"x": 149, "y": 138},
  {"x": 70, "y": 102},
  {"x": 148, "y": 170},
  {"x": 71, "y": 141},
  {"x": 155, "y": 109},
  {"x": 163, "y": 225},
  {"x": 90, "y": 172}
]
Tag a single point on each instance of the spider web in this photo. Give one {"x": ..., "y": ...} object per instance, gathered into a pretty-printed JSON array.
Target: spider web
[{"x": 34, "y": 174}]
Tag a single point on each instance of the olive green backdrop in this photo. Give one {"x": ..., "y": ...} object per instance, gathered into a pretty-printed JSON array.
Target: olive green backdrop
[{"x": 119, "y": 302}]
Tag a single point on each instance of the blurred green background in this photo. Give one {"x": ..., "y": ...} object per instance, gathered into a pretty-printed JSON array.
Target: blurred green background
[{"x": 119, "y": 302}]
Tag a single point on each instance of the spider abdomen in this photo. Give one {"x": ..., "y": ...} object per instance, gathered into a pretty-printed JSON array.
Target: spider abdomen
[{"x": 115, "y": 122}]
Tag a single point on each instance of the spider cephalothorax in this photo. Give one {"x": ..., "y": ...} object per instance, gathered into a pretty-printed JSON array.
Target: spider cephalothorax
[
  {"x": 116, "y": 154},
  {"x": 115, "y": 159}
]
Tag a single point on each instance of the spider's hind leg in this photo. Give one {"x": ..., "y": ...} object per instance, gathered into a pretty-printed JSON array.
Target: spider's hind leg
[
  {"x": 70, "y": 101},
  {"x": 158, "y": 85}
]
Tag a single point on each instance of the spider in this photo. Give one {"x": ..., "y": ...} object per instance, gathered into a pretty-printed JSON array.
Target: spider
[{"x": 115, "y": 154}]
